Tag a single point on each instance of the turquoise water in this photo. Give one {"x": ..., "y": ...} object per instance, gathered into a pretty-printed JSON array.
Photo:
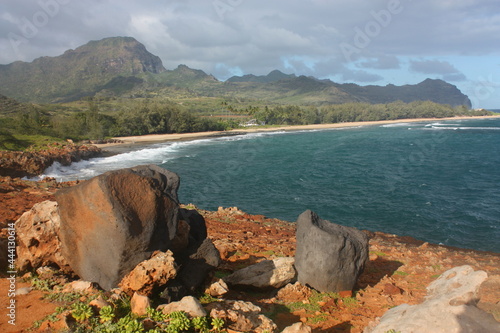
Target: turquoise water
[{"x": 438, "y": 182}]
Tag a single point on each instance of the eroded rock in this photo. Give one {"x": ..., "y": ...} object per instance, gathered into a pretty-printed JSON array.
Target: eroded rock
[
  {"x": 38, "y": 243},
  {"x": 150, "y": 274},
  {"x": 242, "y": 316},
  {"x": 450, "y": 306}
]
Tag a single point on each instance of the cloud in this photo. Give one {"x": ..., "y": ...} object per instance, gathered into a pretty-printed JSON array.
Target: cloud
[
  {"x": 432, "y": 67},
  {"x": 381, "y": 62}
]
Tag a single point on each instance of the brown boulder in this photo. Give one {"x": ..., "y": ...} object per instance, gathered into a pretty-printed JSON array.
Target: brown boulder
[{"x": 112, "y": 222}]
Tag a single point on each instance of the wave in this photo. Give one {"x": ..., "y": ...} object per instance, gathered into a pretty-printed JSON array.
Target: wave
[
  {"x": 402, "y": 125},
  {"x": 464, "y": 128}
]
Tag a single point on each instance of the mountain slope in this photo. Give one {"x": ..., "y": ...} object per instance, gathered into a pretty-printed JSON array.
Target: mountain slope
[
  {"x": 78, "y": 72},
  {"x": 121, "y": 65}
]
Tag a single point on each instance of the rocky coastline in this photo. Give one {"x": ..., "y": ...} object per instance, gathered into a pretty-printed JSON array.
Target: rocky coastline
[
  {"x": 397, "y": 271},
  {"x": 33, "y": 163}
]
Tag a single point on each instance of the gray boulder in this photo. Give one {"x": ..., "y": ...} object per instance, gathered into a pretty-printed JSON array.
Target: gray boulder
[
  {"x": 450, "y": 307},
  {"x": 329, "y": 257},
  {"x": 274, "y": 273},
  {"x": 112, "y": 222}
]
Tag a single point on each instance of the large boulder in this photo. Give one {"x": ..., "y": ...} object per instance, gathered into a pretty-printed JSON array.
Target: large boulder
[
  {"x": 38, "y": 243},
  {"x": 274, "y": 273},
  {"x": 112, "y": 222},
  {"x": 450, "y": 306},
  {"x": 329, "y": 257}
]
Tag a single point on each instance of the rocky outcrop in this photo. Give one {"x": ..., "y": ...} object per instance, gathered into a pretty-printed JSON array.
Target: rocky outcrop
[
  {"x": 38, "y": 238},
  {"x": 112, "y": 222},
  {"x": 150, "y": 274},
  {"x": 274, "y": 273},
  {"x": 30, "y": 164},
  {"x": 329, "y": 257},
  {"x": 242, "y": 316},
  {"x": 450, "y": 306}
]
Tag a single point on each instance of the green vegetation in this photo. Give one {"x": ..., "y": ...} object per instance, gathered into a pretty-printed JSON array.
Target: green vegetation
[{"x": 35, "y": 126}]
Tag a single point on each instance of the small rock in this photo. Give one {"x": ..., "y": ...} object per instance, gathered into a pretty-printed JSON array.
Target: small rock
[
  {"x": 23, "y": 291},
  {"x": 46, "y": 272},
  {"x": 150, "y": 274},
  {"x": 242, "y": 316},
  {"x": 139, "y": 303},
  {"x": 188, "y": 304},
  {"x": 390, "y": 289},
  {"x": 218, "y": 288},
  {"x": 80, "y": 286},
  {"x": 274, "y": 273},
  {"x": 294, "y": 292},
  {"x": 298, "y": 328},
  {"x": 99, "y": 302}
]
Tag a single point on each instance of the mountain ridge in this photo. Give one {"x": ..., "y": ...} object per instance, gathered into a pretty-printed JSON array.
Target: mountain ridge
[{"x": 118, "y": 65}]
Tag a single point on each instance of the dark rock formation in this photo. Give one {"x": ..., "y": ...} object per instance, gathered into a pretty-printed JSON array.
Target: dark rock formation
[
  {"x": 329, "y": 257},
  {"x": 111, "y": 223}
]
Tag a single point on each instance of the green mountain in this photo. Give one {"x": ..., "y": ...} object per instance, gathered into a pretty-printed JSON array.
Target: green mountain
[
  {"x": 104, "y": 64},
  {"x": 273, "y": 76},
  {"x": 122, "y": 66}
]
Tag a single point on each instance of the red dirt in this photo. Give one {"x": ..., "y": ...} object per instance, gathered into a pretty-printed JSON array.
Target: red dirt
[{"x": 398, "y": 272}]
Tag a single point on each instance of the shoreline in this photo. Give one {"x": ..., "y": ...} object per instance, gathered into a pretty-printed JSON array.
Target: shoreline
[{"x": 129, "y": 142}]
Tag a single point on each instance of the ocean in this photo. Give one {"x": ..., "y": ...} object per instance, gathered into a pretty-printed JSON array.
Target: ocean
[{"x": 435, "y": 181}]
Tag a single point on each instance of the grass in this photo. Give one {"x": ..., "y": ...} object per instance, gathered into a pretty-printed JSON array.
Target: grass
[
  {"x": 22, "y": 142},
  {"x": 378, "y": 253}
]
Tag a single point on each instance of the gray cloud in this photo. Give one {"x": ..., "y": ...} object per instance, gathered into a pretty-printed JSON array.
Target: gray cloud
[
  {"x": 432, "y": 67},
  {"x": 258, "y": 36}
]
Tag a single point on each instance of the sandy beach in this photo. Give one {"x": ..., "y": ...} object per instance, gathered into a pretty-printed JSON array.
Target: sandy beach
[{"x": 131, "y": 141}]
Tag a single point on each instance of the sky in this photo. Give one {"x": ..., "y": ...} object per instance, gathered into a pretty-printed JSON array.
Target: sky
[{"x": 369, "y": 42}]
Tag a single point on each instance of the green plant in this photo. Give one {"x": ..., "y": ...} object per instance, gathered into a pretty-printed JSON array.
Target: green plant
[
  {"x": 156, "y": 315},
  {"x": 201, "y": 324},
  {"x": 178, "y": 321},
  {"x": 217, "y": 324},
  {"x": 207, "y": 298},
  {"x": 81, "y": 311},
  {"x": 42, "y": 284},
  {"x": 62, "y": 297},
  {"x": 128, "y": 324},
  {"x": 106, "y": 313}
]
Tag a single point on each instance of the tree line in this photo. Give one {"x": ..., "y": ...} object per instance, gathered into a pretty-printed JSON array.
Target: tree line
[
  {"x": 149, "y": 117},
  {"x": 354, "y": 112}
]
